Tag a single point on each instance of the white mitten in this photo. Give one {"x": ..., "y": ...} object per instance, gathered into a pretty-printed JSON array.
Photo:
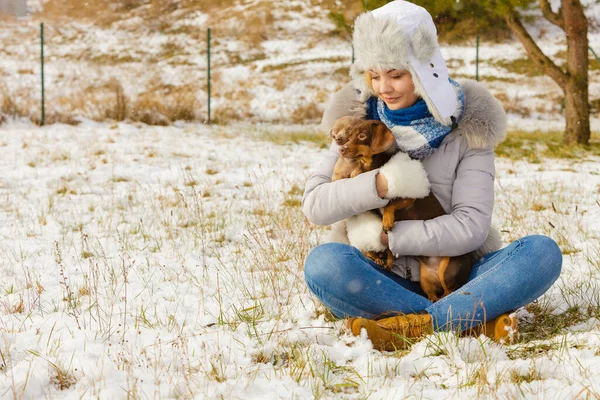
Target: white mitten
[
  {"x": 405, "y": 177},
  {"x": 337, "y": 233},
  {"x": 364, "y": 232}
]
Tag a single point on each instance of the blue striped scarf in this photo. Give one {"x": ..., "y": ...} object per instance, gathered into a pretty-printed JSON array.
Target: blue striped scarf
[{"x": 417, "y": 132}]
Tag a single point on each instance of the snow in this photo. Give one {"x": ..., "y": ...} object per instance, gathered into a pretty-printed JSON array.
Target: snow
[
  {"x": 166, "y": 262},
  {"x": 184, "y": 272}
]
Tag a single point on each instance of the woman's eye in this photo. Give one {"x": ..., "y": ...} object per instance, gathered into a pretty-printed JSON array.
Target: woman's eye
[{"x": 374, "y": 78}]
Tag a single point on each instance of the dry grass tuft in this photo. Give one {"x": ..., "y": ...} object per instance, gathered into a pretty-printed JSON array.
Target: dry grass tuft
[
  {"x": 513, "y": 105},
  {"x": 229, "y": 112},
  {"x": 163, "y": 104},
  {"x": 310, "y": 112},
  {"x": 159, "y": 105},
  {"x": 547, "y": 324},
  {"x": 253, "y": 24},
  {"x": 15, "y": 105},
  {"x": 102, "y": 12},
  {"x": 119, "y": 110}
]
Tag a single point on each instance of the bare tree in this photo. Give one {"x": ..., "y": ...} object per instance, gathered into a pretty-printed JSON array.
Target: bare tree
[{"x": 571, "y": 18}]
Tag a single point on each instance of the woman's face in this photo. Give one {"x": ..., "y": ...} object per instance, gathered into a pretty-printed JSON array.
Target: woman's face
[{"x": 395, "y": 87}]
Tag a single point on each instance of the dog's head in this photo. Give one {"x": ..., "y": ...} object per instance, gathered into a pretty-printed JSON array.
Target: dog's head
[
  {"x": 361, "y": 138},
  {"x": 341, "y": 129}
]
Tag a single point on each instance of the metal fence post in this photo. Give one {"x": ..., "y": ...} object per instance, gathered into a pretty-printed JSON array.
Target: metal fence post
[
  {"x": 42, "y": 72},
  {"x": 477, "y": 58},
  {"x": 208, "y": 63},
  {"x": 594, "y": 53}
]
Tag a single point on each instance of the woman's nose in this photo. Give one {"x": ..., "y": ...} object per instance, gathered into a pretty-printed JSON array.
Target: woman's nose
[{"x": 385, "y": 85}]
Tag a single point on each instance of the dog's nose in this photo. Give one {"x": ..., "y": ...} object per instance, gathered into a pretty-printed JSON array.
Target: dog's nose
[{"x": 339, "y": 140}]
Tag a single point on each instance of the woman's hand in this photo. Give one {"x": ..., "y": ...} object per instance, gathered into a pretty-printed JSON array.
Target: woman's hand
[{"x": 381, "y": 184}]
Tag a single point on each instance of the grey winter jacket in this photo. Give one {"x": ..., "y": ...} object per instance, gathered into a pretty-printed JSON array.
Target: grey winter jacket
[{"x": 461, "y": 173}]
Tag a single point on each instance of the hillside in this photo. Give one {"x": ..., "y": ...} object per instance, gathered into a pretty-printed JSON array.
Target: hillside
[{"x": 271, "y": 62}]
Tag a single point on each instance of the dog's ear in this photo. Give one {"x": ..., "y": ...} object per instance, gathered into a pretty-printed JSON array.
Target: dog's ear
[{"x": 381, "y": 137}]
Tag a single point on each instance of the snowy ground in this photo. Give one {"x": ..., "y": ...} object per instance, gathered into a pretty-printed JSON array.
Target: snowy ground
[
  {"x": 147, "y": 262},
  {"x": 166, "y": 262}
]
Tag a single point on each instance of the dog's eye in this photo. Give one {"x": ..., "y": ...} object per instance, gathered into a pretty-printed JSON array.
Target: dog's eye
[{"x": 362, "y": 136}]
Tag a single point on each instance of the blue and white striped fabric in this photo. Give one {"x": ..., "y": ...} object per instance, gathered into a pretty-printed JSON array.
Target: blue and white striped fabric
[{"x": 417, "y": 132}]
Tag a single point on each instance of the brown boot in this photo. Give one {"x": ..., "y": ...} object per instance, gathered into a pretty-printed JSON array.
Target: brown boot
[
  {"x": 393, "y": 333},
  {"x": 504, "y": 328}
]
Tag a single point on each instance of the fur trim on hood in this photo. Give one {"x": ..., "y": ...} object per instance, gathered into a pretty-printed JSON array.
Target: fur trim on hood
[{"x": 483, "y": 122}]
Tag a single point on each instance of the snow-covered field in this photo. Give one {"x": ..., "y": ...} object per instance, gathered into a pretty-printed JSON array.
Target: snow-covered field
[{"x": 166, "y": 262}]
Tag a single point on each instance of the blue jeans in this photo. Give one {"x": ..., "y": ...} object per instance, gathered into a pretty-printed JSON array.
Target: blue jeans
[{"x": 351, "y": 285}]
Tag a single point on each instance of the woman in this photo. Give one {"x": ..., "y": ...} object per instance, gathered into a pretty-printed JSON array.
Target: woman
[{"x": 449, "y": 130}]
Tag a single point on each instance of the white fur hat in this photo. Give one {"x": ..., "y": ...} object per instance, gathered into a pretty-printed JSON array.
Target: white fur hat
[{"x": 402, "y": 35}]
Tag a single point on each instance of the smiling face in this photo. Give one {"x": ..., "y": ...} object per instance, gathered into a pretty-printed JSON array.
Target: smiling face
[{"x": 395, "y": 87}]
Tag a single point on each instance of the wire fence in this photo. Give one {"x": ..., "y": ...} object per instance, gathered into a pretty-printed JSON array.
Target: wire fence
[{"x": 192, "y": 103}]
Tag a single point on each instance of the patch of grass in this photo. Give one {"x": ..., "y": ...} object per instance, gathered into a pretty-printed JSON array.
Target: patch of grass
[
  {"x": 86, "y": 254},
  {"x": 162, "y": 104},
  {"x": 118, "y": 179},
  {"x": 112, "y": 59},
  {"x": 595, "y": 106},
  {"x": 527, "y": 352},
  {"x": 309, "y": 112},
  {"x": 493, "y": 78},
  {"x": 344, "y": 71},
  {"x": 278, "y": 67},
  {"x": 535, "y": 146},
  {"x": 521, "y": 66},
  {"x": 538, "y": 207},
  {"x": 291, "y": 203},
  {"x": 513, "y": 105},
  {"x": 546, "y": 325},
  {"x": 170, "y": 49},
  {"x": 528, "y": 377},
  {"x": 321, "y": 139},
  {"x": 296, "y": 191},
  {"x": 455, "y": 63}
]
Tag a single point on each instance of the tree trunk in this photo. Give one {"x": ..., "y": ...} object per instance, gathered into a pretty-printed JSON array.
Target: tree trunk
[
  {"x": 574, "y": 81},
  {"x": 577, "y": 111}
]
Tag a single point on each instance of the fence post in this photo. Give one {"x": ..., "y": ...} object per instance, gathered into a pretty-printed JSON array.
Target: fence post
[
  {"x": 477, "y": 58},
  {"x": 594, "y": 53},
  {"x": 208, "y": 63},
  {"x": 42, "y": 72}
]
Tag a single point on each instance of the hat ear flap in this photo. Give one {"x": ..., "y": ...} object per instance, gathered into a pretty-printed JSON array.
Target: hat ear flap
[
  {"x": 381, "y": 138},
  {"x": 423, "y": 42}
]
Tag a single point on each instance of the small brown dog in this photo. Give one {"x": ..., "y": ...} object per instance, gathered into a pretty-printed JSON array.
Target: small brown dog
[{"x": 366, "y": 145}]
